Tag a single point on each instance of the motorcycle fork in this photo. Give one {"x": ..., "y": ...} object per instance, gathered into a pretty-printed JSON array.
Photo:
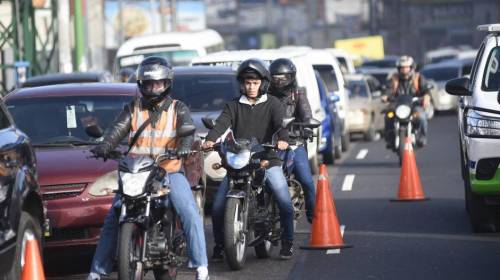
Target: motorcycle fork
[{"x": 145, "y": 237}]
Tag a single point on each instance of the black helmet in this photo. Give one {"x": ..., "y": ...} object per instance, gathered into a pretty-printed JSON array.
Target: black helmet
[
  {"x": 125, "y": 73},
  {"x": 254, "y": 69},
  {"x": 153, "y": 69},
  {"x": 283, "y": 73}
]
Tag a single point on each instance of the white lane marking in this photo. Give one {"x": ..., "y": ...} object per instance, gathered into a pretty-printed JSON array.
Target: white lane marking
[
  {"x": 348, "y": 181},
  {"x": 362, "y": 154},
  {"x": 337, "y": 251}
]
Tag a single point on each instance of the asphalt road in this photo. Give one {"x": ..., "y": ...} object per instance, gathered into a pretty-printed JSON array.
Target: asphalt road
[{"x": 391, "y": 240}]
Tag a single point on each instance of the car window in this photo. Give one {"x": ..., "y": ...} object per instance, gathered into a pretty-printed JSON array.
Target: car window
[
  {"x": 357, "y": 88},
  {"x": 328, "y": 75},
  {"x": 441, "y": 73},
  {"x": 491, "y": 79},
  {"x": 205, "y": 92},
  {"x": 51, "y": 119},
  {"x": 4, "y": 118}
]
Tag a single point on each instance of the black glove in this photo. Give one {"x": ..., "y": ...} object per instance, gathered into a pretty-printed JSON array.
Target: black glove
[
  {"x": 102, "y": 150},
  {"x": 308, "y": 133},
  {"x": 183, "y": 151}
]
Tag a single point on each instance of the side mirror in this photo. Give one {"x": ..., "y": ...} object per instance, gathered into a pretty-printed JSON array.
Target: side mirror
[
  {"x": 94, "y": 131},
  {"x": 334, "y": 98},
  {"x": 313, "y": 123},
  {"x": 186, "y": 130},
  {"x": 208, "y": 122},
  {"x": 286, "y": 122},
  {"x": 458, "y": 86}
]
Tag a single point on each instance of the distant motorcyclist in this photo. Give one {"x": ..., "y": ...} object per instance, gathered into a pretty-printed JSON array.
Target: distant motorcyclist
[
  {"x": 154, "y": 80},
  {"x": 408, "y": 82},
  {"x": 254, "y": 115},
  {"x": 125, "y": 74},
  {"x": 284, "y": 87}
]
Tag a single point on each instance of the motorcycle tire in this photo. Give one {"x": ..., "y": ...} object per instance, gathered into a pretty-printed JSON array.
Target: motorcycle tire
[
  {"x": 265, "y": 249},
  {"x": 235, "y": 241},
  {"x": 401, "y": 148},
  {"x": 130, "y": 244}
]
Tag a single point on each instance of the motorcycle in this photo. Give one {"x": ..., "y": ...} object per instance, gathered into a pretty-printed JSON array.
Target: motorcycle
[
  {"x": 150, "y": 233},
  {"x": 401, "y": 112}
]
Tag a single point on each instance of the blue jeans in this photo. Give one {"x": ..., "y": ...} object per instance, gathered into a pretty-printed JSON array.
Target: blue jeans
[
  {"x": 302, "y": 171},
  {"x": 277, "y": 182},
  {"x": 182, "y": 199}
]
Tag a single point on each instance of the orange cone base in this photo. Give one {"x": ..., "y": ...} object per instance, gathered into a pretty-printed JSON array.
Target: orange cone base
[
  {"x": 409, "y": 199},
  {"x": 326, "y": 247}
]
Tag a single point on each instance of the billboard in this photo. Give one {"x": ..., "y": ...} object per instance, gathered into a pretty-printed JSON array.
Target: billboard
[{"x": 369, "y": 47}]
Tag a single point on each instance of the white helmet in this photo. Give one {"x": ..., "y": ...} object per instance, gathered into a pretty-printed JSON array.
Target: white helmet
[{"x": 404, "y": 61}]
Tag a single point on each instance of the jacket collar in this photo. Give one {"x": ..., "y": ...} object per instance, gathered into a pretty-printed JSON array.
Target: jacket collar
[{"x": 244, "y": 100}]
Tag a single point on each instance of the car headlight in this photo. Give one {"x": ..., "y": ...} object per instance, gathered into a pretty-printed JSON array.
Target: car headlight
[
  {"x": 105, "y": 184},
  {"x": 4, "y": 190},
  {"x": 480, "y": 125},
  {"x": 133, "y": 183},
  {"x": 403, "y": 111},
  {"x": 239, "y": 160}
]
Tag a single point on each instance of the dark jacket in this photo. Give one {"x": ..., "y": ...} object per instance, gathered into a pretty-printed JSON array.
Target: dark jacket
[
  {"x": 120, "y": 127},
  {"x": 260, "y": 121},
  {"x": 296, "y": 103},
  {"x": 416, "y": 85}
]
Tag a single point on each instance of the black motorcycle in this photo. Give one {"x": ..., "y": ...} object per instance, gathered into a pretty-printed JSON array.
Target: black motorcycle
[
  {"x": 402, "y": 118},
  {"x": 150, "y": 234}
]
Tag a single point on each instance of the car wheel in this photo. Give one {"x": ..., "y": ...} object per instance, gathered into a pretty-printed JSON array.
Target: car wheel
[
  {"x": 346, "y": 142},
  {"x": 480, "y": 215},
  {"x": 328, "y": 157},
  {"x": 430, "y": 111},
  {"x": 28, "y": 225},
  {"x": 337, "y": 150}
]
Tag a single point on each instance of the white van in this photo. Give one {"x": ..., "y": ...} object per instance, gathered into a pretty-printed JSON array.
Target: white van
[
  {"x": 328, "y": 67},
  {"x": 344, "y": 59},
  {"x": 177, "y": 47},
  {"x": 305, "y": 78}
]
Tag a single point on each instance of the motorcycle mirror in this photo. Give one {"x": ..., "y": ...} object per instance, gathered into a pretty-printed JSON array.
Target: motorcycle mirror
[
  {"x": 208, "y": 122},
  {"x": 286, "y": 122},
  {"x": 313, "y": 123},
  {"x": 94, "y": 131},
  {"x": 186, "y": 130}
]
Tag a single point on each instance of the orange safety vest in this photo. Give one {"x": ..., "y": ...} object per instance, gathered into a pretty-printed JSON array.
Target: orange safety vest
[
  {"x": 154, "y": 141},
  {"x": 415, "y": 83}
]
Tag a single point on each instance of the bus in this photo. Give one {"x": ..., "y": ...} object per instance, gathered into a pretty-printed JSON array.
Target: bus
[{"x": 179, "y": 48}]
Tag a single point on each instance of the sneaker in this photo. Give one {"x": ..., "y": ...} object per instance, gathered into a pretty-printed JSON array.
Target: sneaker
[
  {"x": 286, "y": 251},
  {"x": 94, "y": 276},
  {"x": 218, "y": 254},
  {"x": 202, "y": 273}
]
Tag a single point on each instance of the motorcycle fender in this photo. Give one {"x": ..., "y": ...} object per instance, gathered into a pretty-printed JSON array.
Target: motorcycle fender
[{"x": 236, "y": 194}]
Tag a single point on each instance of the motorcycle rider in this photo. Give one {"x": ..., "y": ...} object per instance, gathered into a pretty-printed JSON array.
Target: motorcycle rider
[
  {"x": 154, "y": 81},
  {"x": 254, "y": 115},
  {"x": 284, "y": 87},
  {"x": 408, "y": 82}
]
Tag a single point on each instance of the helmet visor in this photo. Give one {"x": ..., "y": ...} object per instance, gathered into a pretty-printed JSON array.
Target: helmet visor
[
  {"x": 281, "y": 80},
  {"x": 154, "y": 87},
  {"x": 154, "y": 72}
]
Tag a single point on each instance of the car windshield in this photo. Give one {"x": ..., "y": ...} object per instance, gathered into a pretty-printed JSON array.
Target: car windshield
[
  {"x": 357, "y": 88},
  {"x": 441, "y": 73},
  {"x": 205, "y": 92},
  {"x": 328, "y": 75},
  {"x": 51, "y": 120},
  {"x": 491, "y": 80},
  {"x": 176, "y": 58}
]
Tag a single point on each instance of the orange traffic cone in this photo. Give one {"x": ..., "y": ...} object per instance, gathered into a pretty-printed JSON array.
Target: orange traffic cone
[
  {"x": 410, "y": 188},
  {"x": 325, "y": 226},
  {"x": 33, "y": 268}
]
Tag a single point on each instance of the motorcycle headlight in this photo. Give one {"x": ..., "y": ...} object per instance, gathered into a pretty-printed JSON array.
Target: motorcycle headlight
[
  {"x": 239, "y": 160},
  {"x": 105, "y": 184},
  {"x": 403, "y": 111},
  {"x": 481, "y": 125},
  {"x": 133, "y": 184}
]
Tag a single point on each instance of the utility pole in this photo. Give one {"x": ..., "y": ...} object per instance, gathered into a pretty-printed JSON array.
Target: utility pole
[
  {"x": 121, "y": 34},
  {"x": 80, "y": 64},
  {"x": 65, "y": 64},
  {"x": 173, "y": 14},
  {"x": 163, "y": 22}
]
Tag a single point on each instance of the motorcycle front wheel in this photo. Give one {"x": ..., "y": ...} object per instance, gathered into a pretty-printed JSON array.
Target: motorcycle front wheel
[
  {"x": 130, "y": 247},
  {"x": 235, "y": 239}
]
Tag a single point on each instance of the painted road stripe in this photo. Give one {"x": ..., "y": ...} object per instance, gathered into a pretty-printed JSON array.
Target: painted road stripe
[
  {"x": 337, "y": 251},
  {"x": 348, "y": 181},
  {"x": 362, "y": 154}
]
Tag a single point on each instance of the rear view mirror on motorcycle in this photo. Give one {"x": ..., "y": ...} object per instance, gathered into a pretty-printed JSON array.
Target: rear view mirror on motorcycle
[
  {"x": 286, "y": 122},
  {"x": 313, "y": 123},
  {"x": 186, "y": 130},
  {"x": 94, "y": 131},
  {"x": 208, "y": 122}
]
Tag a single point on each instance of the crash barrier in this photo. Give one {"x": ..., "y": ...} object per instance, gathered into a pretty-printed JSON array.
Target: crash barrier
[
  {"x": 410, "y": 187},
  {"x": 33, "y": 268},
  {"x": 326, "y": 233}
]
